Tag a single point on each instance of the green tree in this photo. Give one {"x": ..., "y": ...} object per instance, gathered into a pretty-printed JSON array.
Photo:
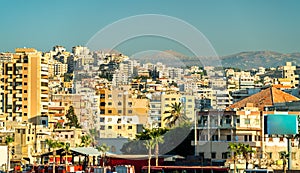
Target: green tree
[
  {"x": 8, "y": 141},
  {"x": 156, "y": 135},
  {"x": 72, "y": 118},
  {"x": 103, "y": 149},
  {"x": 175, "y": 115},
  {"x": 149, "y": 145},
  {"x": 157, "y": 139},
  {"x": 246, "y": 151},
  {"x": 86, "y": 141},
  {"x": 240, "y": 149},
  {"x": 235, "y": 150},
  {"x": 53, "y": 145},
  {"x": 284, "y": 156},
  {"x": 66, "y": 147}
]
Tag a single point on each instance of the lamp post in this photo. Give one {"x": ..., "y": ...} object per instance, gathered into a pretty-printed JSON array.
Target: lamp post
[{"x": 195, "y": 130}]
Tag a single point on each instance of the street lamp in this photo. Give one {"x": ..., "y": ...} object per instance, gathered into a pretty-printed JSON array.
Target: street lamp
[{"x": 195, "y": 130}]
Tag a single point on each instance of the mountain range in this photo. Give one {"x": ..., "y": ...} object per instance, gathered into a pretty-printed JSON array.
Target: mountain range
[{"x": 242, "y": 60}]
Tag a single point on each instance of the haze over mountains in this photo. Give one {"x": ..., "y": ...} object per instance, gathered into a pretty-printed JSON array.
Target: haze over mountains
[{"x": 242, "y": 60}]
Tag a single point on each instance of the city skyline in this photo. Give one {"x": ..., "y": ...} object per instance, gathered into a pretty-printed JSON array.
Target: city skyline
[{"x": 230, "y": 26}]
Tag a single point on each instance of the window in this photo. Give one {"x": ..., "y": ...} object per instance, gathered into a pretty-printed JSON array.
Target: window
[
  {"x": 215, "y": 137},
  {"x": 25, "y": 98},
  {"x": 28, "y": 138},
  {"x": 293, "y": 155},
  {"x": 238, "y": 120},
  {"x": 270, "y": 139},
  {"x": 109, "y": 119},
  {"x": 102, "y": 111},
  {"x": 129, "y": 103},
  {"x": 190, "y": 100},
  {"x": 167, "y": 98},
  {"x": 102, "y": 104},
  {"x": 281, "y": 139},
  {"x": 201, "y": 155},
  {"x": 250, "y": 137},
  {"x": 245, "y": 137},
  {"x": 119, "y": 111},
  {"x": 119, "y": 103},
  {"x": 102, "y": 96},
  {"x": 109, "y": 96},
  {"x": 173, "y": 99},
  {"x": 72, "y": 136},
  {"x": 270, "y": 154},
  {"x": 119, "y": 127},
  {"x": 213, "y": 155},
  {"x": 102, "y": 119},
  {"x": 129, "y": 127},
  {"x": 247, "y": 121},
  {"x": 25, "y": 91},
  {"x": 225, "y": 155},
  {"x": 109, "y": 103},
  {"x": 66, "y": 136},
  {"x": 130, "y": 111},
  {"x": 190, "y": 106},
  {"x": 25, "y": 83},
  {"x": 102, "y": 127},
  {"x": 119, "y": 95},
  {"x": 228, "y": 137},
  {"x": 109, "y": 127},
  {"x": 109, "y": 111}
]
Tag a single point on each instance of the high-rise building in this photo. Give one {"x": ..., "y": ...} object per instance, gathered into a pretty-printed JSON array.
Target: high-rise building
[{"x": 24, "y": 85}]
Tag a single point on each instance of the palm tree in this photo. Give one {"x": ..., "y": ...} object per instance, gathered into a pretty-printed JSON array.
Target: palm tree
[
  {"x": 284, "y": 156},
  {"x": 149, "y": 145},
  {"x": 103, "y": 149},
  {"x": 86, "y": 141},
  {"x": 8, "y": 141},
  {"x": 155, "y": 134},
  {"x": 246, "y": 151},
  {"x": 234, "y": 148},
  {"x": 66, "y": 147},
  {"x": 53, "y": 144},
  {"x": 175, "y": 114},
  {"x": 157, "y": 138}
]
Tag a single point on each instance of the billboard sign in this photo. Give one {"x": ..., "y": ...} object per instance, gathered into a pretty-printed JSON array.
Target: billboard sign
[{"x": 281, "y": 124}]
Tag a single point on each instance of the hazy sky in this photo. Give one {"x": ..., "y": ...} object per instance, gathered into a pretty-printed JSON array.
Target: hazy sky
[{"x": 230, "y": 25}]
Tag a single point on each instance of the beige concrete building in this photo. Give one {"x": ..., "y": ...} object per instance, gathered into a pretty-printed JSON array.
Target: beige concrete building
[
  {"x": 24, "y": 91},
  {"x": 122, "y": 102},
  {"x": 119, "y": 126}
]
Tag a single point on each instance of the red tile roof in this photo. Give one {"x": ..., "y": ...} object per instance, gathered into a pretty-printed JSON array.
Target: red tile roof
[{"x": 264, "y": 98}]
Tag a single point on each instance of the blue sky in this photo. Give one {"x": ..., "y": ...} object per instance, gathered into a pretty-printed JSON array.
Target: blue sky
[{"x": 230, "y": 25}]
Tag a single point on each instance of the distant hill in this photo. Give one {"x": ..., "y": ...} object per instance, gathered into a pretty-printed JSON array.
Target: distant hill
[
  {"x": 255, "y": 59},
  {"x": 242, "y": 60}
]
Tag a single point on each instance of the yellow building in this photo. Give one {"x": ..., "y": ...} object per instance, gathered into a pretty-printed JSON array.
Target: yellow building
[
  {"x": 119, "y": 102},
  {"x": 167, "y": 98},
  {"x": 24, "y": 142},
  {"x": 24, "y": 85}
]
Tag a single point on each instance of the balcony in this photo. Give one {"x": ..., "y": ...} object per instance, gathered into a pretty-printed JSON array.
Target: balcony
[
  {"x": 45, "y": 80},
  {"x": 19, "y": 95},
  {"x": 44, "y": 96},
  {"x": 18, "y": 102},
  {"x": 19, "y": 80},
  {"x": 44, "y": 73}
]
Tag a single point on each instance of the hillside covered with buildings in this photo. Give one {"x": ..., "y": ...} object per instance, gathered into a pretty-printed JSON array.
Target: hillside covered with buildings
[{"x": 88, "y": 98}]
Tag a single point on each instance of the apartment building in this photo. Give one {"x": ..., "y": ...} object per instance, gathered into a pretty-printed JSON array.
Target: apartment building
[
  {"x": 123, "y": 102},
  {"x": 119, "y": 126},
  {"x": 289, "y": 77},
  {"x": 24, "y": 85}
]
